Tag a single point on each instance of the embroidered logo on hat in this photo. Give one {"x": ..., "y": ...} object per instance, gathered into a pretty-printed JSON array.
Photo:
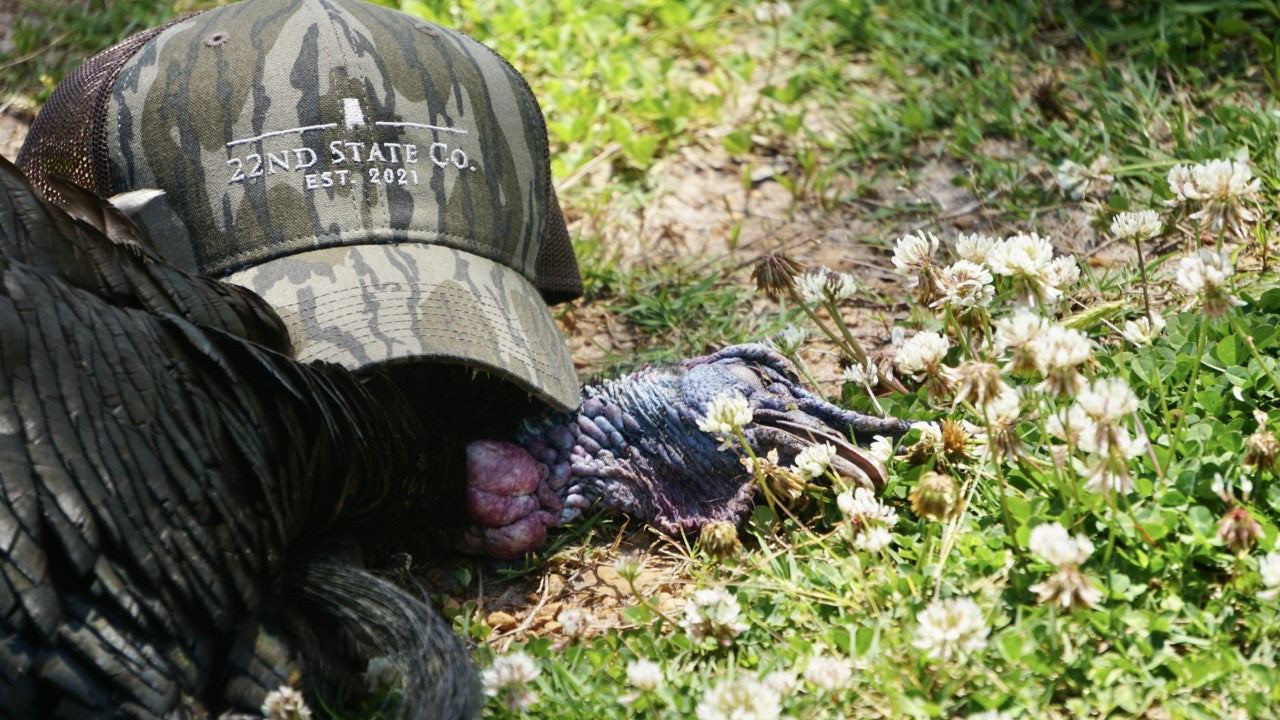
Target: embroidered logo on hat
[{"x": 382, "y": 181}]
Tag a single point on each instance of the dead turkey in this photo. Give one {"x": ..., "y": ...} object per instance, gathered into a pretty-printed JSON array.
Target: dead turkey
[{"x": 188, "y": 512}]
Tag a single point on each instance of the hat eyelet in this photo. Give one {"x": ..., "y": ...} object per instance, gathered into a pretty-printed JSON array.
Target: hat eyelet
[{"x": 217, "y": 39}]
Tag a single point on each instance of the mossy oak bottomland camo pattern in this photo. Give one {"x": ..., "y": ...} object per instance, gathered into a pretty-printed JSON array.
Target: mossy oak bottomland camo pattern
[
  {"x": 489, "y": 312},
  {"x": 381, "y": 180}
]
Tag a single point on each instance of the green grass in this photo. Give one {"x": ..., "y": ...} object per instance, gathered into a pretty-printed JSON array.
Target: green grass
[{"x": 851, "y": 99}]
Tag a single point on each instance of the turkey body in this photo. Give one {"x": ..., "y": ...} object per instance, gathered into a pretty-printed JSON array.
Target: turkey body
[{"x": 179, "y": 498}]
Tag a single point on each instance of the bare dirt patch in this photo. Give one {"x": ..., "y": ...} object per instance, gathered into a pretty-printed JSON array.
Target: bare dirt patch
[{"x": 13, "y": 130}]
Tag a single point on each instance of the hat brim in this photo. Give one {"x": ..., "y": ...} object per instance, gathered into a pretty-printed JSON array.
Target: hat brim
[{"x": 361, "y": 305}]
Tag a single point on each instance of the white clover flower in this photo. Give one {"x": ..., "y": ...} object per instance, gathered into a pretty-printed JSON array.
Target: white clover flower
[
  {"x": 1205, "y": 275},
  {"x": 1058, "y": 353},
  {"x": 841, "y": 286},
  {"x": 788, "y": 340},
  {"x": 816, "y": 288},
  {"x": 772, "y": 13},
  {"x": 1063, "y": 272},
  {"x": 1071, "y": 425},
  {"x": 781, "y": 682},
  {"x": 951, "y": 629},
  {"x": 1078, "y": 181},
  {"x": 1182, "y": 184},
  {"x": 1067, "y": 587},
  {"x": 509, "y": 678},
  {"x": 1226, "y": 190},
  {"x": 575, "y": 621},
  {"x": 814, "y": 460},
  {"x": 1017, "y": 333},
  {"x": 644, "y": 675},
  {"x": 864, "y": 374},
  {"x": 873, "y": 539},
  {"x": 1051, "y": 541},
  {"x": 727, "y": 414},
  {"x": 1107, "y": 400},
  {"x": 974, "y": 248},
  {"x": 913, "y": 253},
  {"x": 812, "y": 287},
  {"x": 965, "y": 284},
  {"x": 285, "y": 703},
  {"x": 881, "y": 448},
  {"x": 1139, "y": 225},
  {"x": 827, "y": 673},
  {"x": 1109, "y": 472},
  {"x": 743, "y": 698},
  {"x": 712, "y": 613},
  {"x": 1144, "y": 330},
  {"x": 381, "y": 673},
  {"x": 977, "y": 381},
  {"x": 1001, "y": 414},
  {"x": 923, "y": 353},
  {"x": 869, "y": 519},
  {"x": 1269, "y": 570},
  {"x": 1025, "y": 259}
]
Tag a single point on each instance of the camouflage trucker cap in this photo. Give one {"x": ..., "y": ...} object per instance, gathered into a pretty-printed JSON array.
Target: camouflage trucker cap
[{"x": 382, "y": 181}]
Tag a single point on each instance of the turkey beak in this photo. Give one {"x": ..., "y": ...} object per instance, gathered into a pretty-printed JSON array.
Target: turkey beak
[{"x": 793, "y": 431}]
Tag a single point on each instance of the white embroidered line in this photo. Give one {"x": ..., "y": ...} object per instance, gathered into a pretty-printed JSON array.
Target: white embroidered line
[
  {"x": 256, "y": 138},
  {"x": 460, "y": 131}
]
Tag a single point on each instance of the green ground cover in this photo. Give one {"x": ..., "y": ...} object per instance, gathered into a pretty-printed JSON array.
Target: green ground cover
[{"x": 1090, "y": 527}]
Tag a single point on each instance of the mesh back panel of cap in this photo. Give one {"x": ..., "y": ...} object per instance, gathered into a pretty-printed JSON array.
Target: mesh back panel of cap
[
  {"x": 557, "y": 268},
  {"x": 69, "y": 137}
]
